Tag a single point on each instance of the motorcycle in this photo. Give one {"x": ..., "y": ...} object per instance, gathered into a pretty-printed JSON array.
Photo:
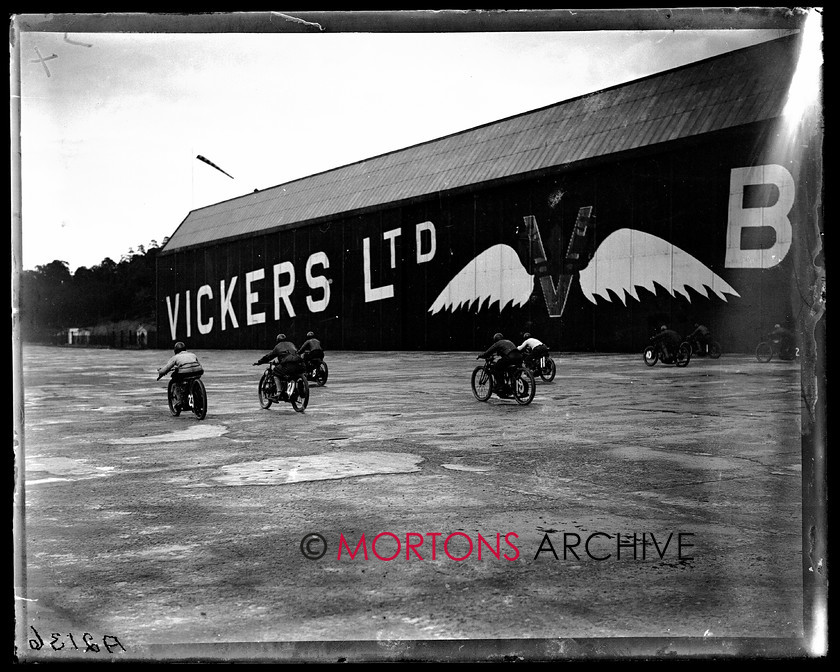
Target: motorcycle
[
  {"x": 518, "y": 382},
  {"x": 192, "y": 393},
  {"x": 542, "y": 366},
  {"x": 770, "y": 347},
  {"x": 653, "y": 353},
  {"x": 294, "y": 391},
  {"x": 317, "y": 371},
  {"x": 712, "y": 348}
]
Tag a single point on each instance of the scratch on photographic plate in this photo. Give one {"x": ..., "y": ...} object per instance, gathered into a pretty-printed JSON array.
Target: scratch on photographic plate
[{"x": 286, "y": 17}]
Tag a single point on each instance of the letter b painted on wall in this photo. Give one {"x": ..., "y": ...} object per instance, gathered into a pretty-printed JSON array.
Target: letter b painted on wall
[{"x": 759, "y": 231}]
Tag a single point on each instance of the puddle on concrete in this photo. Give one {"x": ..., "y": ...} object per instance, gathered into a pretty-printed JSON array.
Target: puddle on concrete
[
  {"x": 688, "y": 460},
  {"x": 326, "y": 466},
  {"x": 169, "y": 552},
  {"x": 35, "y": 424},
  {"x": 194, "y": 433},
  {"x": 789, "y": 470},
  {"x": 41, "y": 481},
  {"x": 61, "y": 469},
  {"x": 463, "y": 467},
  {"x": 118, "y": 410},
  {"x": 154, "y": 529}
]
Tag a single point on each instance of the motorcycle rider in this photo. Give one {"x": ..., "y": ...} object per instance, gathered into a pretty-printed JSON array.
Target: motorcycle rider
[
  {"x": 184, "y": 365},
  {"x": 669, "y": 341},
  {"x": 311, "y": 350},
  {"x": 532, "y": 349},
  {"x": 702, "y": 336},
  {"x": 783, "y": 339},
  {"x": 508, "y": 355},
  {"x": 289, "y": 363}
]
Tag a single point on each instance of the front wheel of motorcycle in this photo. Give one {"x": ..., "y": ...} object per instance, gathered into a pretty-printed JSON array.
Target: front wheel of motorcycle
[
  {"x": 650, "y": 355},
  {"x": 481, "y": 382},
  {"x": 266, "y": 390},
  {"x": 764, "y": 352},
  {"x": 174, "y": 408}
]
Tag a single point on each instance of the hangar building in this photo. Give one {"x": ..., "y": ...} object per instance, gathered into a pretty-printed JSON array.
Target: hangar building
[{"x": 671, "y": 199}]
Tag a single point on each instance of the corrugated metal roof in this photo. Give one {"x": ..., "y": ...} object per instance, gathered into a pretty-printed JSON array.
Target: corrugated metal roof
[{"x": 742, "y": 87}]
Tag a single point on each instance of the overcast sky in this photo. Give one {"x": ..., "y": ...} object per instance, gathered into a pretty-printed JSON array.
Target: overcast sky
[{"x": 110, "y": 126}]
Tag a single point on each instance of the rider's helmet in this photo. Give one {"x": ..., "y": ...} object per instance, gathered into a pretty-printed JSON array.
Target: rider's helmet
[
  {"x": 497, "y": 337},
  {"x": 776, "y": 326},
  {"x": 526, "y": 335},
  {"x": 663, "y": 327},
  {"x": 281, "y": 337},
  {"x": 310, "y": 334},
  {"x": 179, "y": 347}
]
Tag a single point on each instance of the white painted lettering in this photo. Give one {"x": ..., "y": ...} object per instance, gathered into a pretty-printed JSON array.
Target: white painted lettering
[
  {"x": 283, "y": 292},
  {"x": 173, "y": 315},
  {"x": 318, "y": 282},
  {"x": 253, "y": 297},
  {"x": 227, "y": 307},
  {"x": 187, "y": 315},
  {"x": 423, "y": 257},
  {"x": 774, "y": 216},
  {"x": 373, "y": 293},
  {"x": 203, "y": 327},
  {"x": 392, "y": 237}
]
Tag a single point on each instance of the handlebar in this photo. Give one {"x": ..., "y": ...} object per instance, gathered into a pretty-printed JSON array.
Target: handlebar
[{"x": 174, "y": 369}]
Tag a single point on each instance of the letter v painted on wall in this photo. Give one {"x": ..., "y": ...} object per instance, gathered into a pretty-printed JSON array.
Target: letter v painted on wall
[
  {"x": 497, "y": 275},
  {"x": 556, "y": 296}
]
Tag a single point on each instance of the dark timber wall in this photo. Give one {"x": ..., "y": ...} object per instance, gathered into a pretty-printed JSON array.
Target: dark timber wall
[{"x": 678, "y": 193}]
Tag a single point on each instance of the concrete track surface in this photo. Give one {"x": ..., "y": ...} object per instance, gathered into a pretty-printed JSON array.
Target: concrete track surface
[{"x": 160, "y": 531}]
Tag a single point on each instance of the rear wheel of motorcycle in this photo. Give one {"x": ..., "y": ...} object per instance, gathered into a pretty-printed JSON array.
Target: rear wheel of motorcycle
[
  {"x": 683, "y": 354},
  {"x": 321, "y": 374},
  {"x": 300, "y": 395},
  {"x": 787, "y": 353},
  {"x": 199, "y": 398},
  {"x": 650, "y": 355},
  {"x": 524, "y": 386},
  {"x": 548, "y": 371}
]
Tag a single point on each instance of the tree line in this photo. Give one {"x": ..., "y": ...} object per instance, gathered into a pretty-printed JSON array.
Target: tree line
[{"x": 53, "y": 299}]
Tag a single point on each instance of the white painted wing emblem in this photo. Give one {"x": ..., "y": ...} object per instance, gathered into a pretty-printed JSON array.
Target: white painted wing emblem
[
  {"x": 628, "y": 259},
  {"x": 495, "y": 275}
]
